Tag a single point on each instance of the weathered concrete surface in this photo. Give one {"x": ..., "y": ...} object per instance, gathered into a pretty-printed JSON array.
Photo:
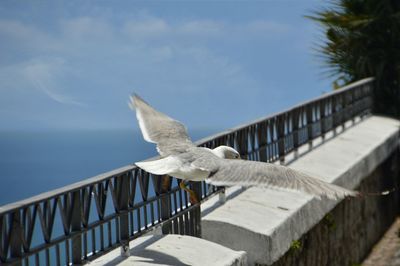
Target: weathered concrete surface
[
  {"x": 346, "y": 235},
  {"x": 387, "y": 251},
  {"x": 265, "y": 223},
  {"x": 173, "y": 250}
]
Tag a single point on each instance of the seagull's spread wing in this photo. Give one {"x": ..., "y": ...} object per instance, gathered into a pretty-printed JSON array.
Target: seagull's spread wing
[
  {"x": 186, "y": 161},
  {"x": 170, "y": 135},
  {"x": 250, "y": 173}
]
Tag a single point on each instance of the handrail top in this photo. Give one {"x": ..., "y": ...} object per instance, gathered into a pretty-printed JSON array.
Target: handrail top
[
  {"x": 63, "y": 190},
  {"x": 258, "y": 120}
]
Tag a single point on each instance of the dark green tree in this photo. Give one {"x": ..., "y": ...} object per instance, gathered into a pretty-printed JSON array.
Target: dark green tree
[{"x": 363, "y": 40}]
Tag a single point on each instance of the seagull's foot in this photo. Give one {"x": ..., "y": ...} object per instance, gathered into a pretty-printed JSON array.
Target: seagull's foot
[{"x": 192, "y": 195}]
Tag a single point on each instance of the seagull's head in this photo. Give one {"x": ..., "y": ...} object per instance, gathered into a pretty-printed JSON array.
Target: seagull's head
[{"x": 226, "y": 152}]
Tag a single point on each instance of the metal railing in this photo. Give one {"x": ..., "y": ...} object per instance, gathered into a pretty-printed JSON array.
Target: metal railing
[{"x": 87, "y": 219}]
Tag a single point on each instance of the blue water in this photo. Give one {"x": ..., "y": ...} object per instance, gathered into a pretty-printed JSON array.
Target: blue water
[{"x": 35, "y": 162}]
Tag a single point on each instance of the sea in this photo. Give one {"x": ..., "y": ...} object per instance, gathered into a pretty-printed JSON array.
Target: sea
[{"x": 33, "y": 162}]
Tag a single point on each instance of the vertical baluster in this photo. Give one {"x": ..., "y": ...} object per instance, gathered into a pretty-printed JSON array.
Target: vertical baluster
[
  {"x": 295, "y": 127},
  {"x": 181, "y": 223},
  {"x": 165, "y": 202},
  {"x": 58, "y": 259},
  {"x": 67, "y": 252},
  {"x": 122, "y": 224},
  {"x": 310, "y": 135},
  {"x": 252, "y": 150},
  {"x": 343, "y": 110},
  {"x": 187, "y": 224},
  {"x": 243, "y": 142},
  {"x": 15, "y": 236},
  {"x": 334, "y": 110},
  {"x": 322, "y": 115},
  {"x": 101, "y": 237},
  {"x": 370, "y": 91},
  {"x": 175, "y": 202},
  {"x": 273, "y": 150},
  {"x": 176, "y": 225},
  {"x": 37, "y": 259},
  {"x": 109, "y": 234},
  {"x": 270, "y": 141},
  {"x": 280, "y": 124},
  {"x": 196, "y": 187},
  {"x": 76, "y": 228},
  {"x": 85, "y": 245},
  {"x": 262, "y": 141},
  {"x": 152, "y": 212},
  {"x": 353, "y": 105},
  {"x": 191, "y": 222},
  {"x": 47, "y": 256},
  {"x": 93, "y": 241}
]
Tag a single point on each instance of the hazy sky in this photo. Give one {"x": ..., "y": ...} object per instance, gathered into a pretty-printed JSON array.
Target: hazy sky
[{"x": 210, "y": 64}]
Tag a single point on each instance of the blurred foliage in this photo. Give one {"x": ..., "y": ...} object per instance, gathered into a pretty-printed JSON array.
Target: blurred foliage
[
  {"x": 363, "y": 40},
  {"x": 295, "y": 245}
]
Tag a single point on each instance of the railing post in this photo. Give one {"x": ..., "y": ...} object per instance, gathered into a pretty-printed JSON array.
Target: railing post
[
  {"x": 322, "y": 115},
  {"x": 295, "y": 128},
  {"x": 343, "y": 100},
  {"x": 280, "y": 124},
  {"x": 334, "y": 114},
  {"x": 262, "y": 141},
  {"x": 76, "y": 221},
  {"x": 124, "y": 219},
  {"x": 242, "y": 142},
  {"x": 370, "y": 88},
  {"x": 196, "y": 187},
  {"x": 165, "y": 203},
  {"x": 309, "y": 110},
  {"x": 15, "y": 237},
  {"x": 352, "y": 104}
]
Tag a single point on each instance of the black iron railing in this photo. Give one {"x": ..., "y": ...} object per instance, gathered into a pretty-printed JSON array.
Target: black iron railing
[{"x": 85, "y": 220}]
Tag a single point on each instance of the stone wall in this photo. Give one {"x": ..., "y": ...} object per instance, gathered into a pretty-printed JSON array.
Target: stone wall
[{"x": 346, "y": 235}]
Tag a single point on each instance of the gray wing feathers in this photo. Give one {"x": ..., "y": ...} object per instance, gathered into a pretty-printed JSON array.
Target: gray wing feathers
[
  {"x": 170, "y": 135},
  {"x": 250, "y": 173}
]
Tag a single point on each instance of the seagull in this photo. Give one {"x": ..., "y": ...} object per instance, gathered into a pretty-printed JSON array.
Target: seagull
[{"x": 221, "y": 166}]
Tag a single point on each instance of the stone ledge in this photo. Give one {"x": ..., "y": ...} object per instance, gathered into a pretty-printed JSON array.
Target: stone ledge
[
  {"x": 264, "y": 222},
  {"x": 173, "y": 250}
]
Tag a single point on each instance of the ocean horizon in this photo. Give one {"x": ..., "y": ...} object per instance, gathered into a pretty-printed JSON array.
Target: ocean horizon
[{"x": 34, "y": 162}]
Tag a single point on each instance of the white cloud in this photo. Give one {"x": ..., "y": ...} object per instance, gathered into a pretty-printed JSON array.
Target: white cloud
[
  {"x": 201, "y": 27},
  {"x": 152, "y": 27},
  {"x": 107, "y": 59},
  {"x": 266, "y": 26},
  {"x": 85, "y": 28},
  {"x": 149, "y": 27},
  {"x": 42, "y": 75},
  {"x": 23, "y": 35}
]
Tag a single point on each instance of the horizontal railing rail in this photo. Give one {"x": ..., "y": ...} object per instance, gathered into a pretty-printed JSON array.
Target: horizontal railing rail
[{"x": 87, "y": 219}]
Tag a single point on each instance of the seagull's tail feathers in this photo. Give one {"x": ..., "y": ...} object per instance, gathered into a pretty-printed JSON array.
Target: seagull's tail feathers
[
  {"x": 334, "y": 192},
  {"x": 162, "y": 166}
]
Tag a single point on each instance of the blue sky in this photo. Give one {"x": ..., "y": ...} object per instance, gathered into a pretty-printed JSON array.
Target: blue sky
[{"x": 211, "y": 64}]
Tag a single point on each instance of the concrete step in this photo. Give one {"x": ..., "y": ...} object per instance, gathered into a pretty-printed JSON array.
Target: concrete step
[{"x": 173, "y": 250}]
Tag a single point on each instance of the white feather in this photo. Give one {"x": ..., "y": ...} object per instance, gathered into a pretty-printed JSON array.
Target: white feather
[
  {"x": 163, "y": 166},
  {"x": 140, "y": 119}
]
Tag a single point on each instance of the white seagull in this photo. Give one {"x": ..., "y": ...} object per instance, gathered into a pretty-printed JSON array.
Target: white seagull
[{"x": 182, "y": 159}]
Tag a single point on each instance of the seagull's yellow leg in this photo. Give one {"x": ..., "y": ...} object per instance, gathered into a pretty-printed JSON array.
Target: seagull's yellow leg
[{"x": 192, "y": 195}]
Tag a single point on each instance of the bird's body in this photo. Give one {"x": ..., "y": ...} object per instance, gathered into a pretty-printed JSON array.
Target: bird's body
[
  {"x": 181, "y": 165},
  {"x": 182, "y": 159}
]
